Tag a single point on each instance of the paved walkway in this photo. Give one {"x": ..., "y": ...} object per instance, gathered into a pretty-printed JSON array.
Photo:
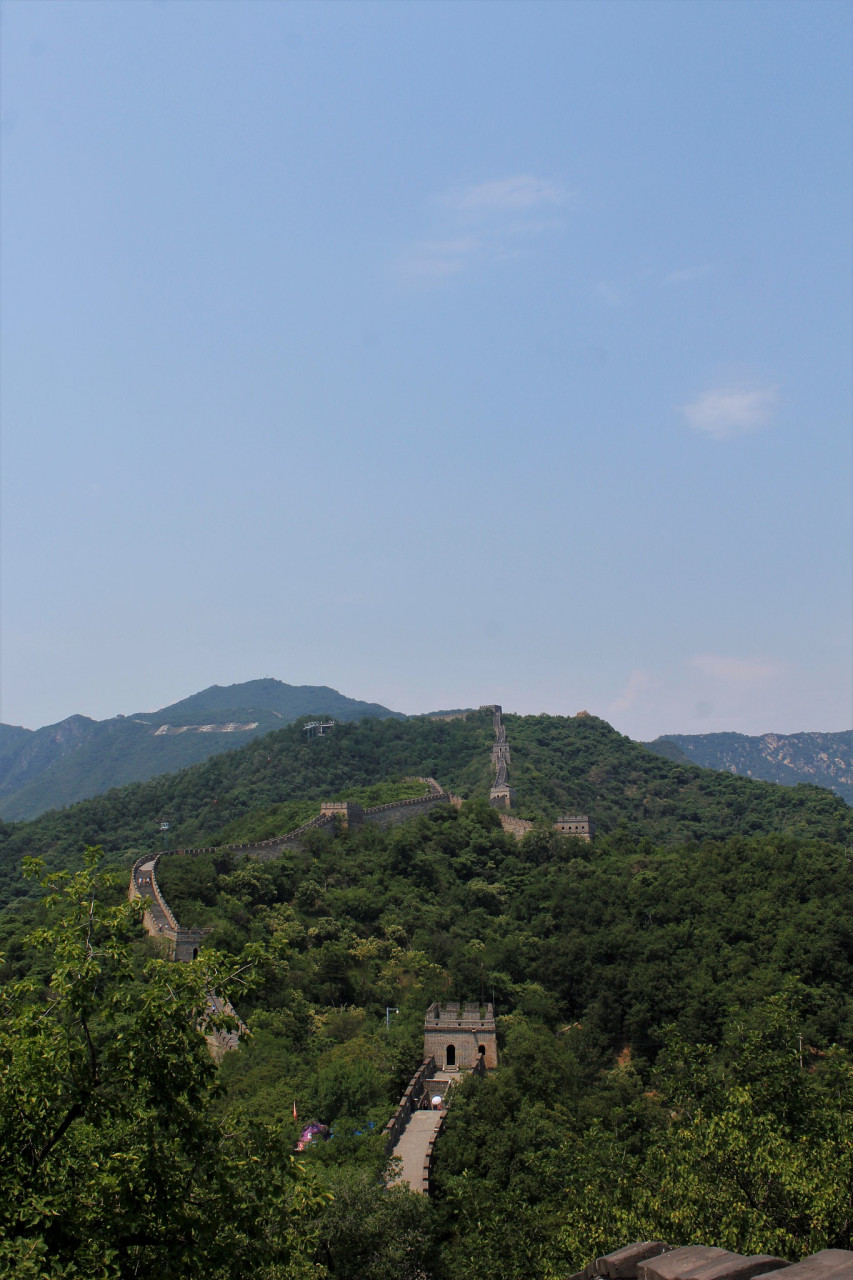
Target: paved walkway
[
  {"x": 143, "y": 874},
  {"x": 413, "y": 1145}
]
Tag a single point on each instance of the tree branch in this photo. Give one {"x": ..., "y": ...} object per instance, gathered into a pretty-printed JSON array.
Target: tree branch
[{"x": 76, "y": 1109}]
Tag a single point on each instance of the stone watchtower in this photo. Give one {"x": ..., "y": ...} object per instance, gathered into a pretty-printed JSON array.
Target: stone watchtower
[
  {"x": 577, "y": 825},
  {"x": 347, "y": 812},
  {"x": 457, "y": 1034}
]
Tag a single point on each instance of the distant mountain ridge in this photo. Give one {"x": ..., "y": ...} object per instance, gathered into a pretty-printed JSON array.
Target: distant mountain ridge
[
  {"x": 824, "y": 759},
  {"x": 62, "y": 763},
  {"x": 80, "y": 757}
]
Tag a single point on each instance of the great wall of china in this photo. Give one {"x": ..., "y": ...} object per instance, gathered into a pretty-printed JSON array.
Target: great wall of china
[
  {"x": 501, "y": 795},
  {"x": 459, "y": 1039},
  {"x": 160, "y": 921},
  {"x": 464, "y": 1030}
]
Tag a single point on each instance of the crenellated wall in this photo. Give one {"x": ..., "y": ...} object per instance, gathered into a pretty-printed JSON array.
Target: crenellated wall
[
  {"x": 411, "y": 1100},
  {"x": 382, "y": 814},
  {"x": 389, "y": 815},
  {"x": 577, "y": 825},
  {"x": 656, "y": 1260},
  {"x": 158, "y": 918},
  {"x": 517, "y": 827},
  {"x": 219, "y": 1040},
  {"x": 183, "y": 944}
]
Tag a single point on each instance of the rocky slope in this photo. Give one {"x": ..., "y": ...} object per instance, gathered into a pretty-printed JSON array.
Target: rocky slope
[{"x": 824, "y": 759}]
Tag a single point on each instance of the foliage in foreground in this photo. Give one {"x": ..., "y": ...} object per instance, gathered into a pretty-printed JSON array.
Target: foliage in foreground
[
  {"x": 132, "y": 1155},
  {"x": 117, "y": 1160},
  {"x": 743, "y": 1146}
]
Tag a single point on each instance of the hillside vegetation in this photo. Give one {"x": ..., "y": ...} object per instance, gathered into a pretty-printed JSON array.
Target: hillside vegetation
[
  {"x": 675, "y": 1016},
  {"x": 63, "y": 763},
  {"x": 557, "y": 762},
  {"x": 666, "y": 1021}
]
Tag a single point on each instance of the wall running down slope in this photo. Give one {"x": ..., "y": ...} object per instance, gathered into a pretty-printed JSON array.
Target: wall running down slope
[
  {"x": 501, "y": 795},
  {"x": 160, "y": 922}
]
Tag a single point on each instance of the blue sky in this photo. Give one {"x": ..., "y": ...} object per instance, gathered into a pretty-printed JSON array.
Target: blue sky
[{"x": 443, "y": 353}]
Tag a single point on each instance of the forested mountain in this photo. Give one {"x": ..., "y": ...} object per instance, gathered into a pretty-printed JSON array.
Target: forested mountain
[
  {"x": 78, "y": 758},
  {"x": 825, "y": 759},
  {"x": 62, "y": 763},
  {"x": 668, "y": 998},
  {"x": 558, "y": 763}
]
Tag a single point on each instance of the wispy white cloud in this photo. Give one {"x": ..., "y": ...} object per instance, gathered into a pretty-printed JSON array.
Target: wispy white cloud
[
  {"x": 735, "y": 670},
  {"x": 521, "y": 191},
  {"x": 438, "y": 259},
  {"x": 690, "y": 275},
  {"x": 610, "y": 293},
  {"x": 483, "y": 222},
  {"x": 642, "y": 282},
  {"x": 726, "y": 411},
  {"x": 638, "y": 683}
]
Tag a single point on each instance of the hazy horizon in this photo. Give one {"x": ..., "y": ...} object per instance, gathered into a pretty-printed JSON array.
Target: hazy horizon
[
  {"x": 147, "y": 710},
  {"x": 439, "y": 353}
]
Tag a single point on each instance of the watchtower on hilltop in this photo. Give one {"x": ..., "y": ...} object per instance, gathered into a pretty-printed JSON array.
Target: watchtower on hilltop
[{"x": 457, "y": 1035}]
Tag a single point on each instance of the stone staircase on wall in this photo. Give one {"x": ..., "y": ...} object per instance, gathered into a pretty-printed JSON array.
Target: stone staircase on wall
[{"x": 501, "y": 794}]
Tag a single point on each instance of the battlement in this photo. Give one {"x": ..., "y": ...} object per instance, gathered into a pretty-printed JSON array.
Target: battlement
[
  {"x": 185, "y": 942},
  {"x": 452, "y": 1013}
]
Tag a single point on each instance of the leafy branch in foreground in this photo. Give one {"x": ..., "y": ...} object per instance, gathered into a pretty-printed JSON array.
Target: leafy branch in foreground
[
  {"x": 119, "y": 1161},
  {"x": 756, "y": 1152}
]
